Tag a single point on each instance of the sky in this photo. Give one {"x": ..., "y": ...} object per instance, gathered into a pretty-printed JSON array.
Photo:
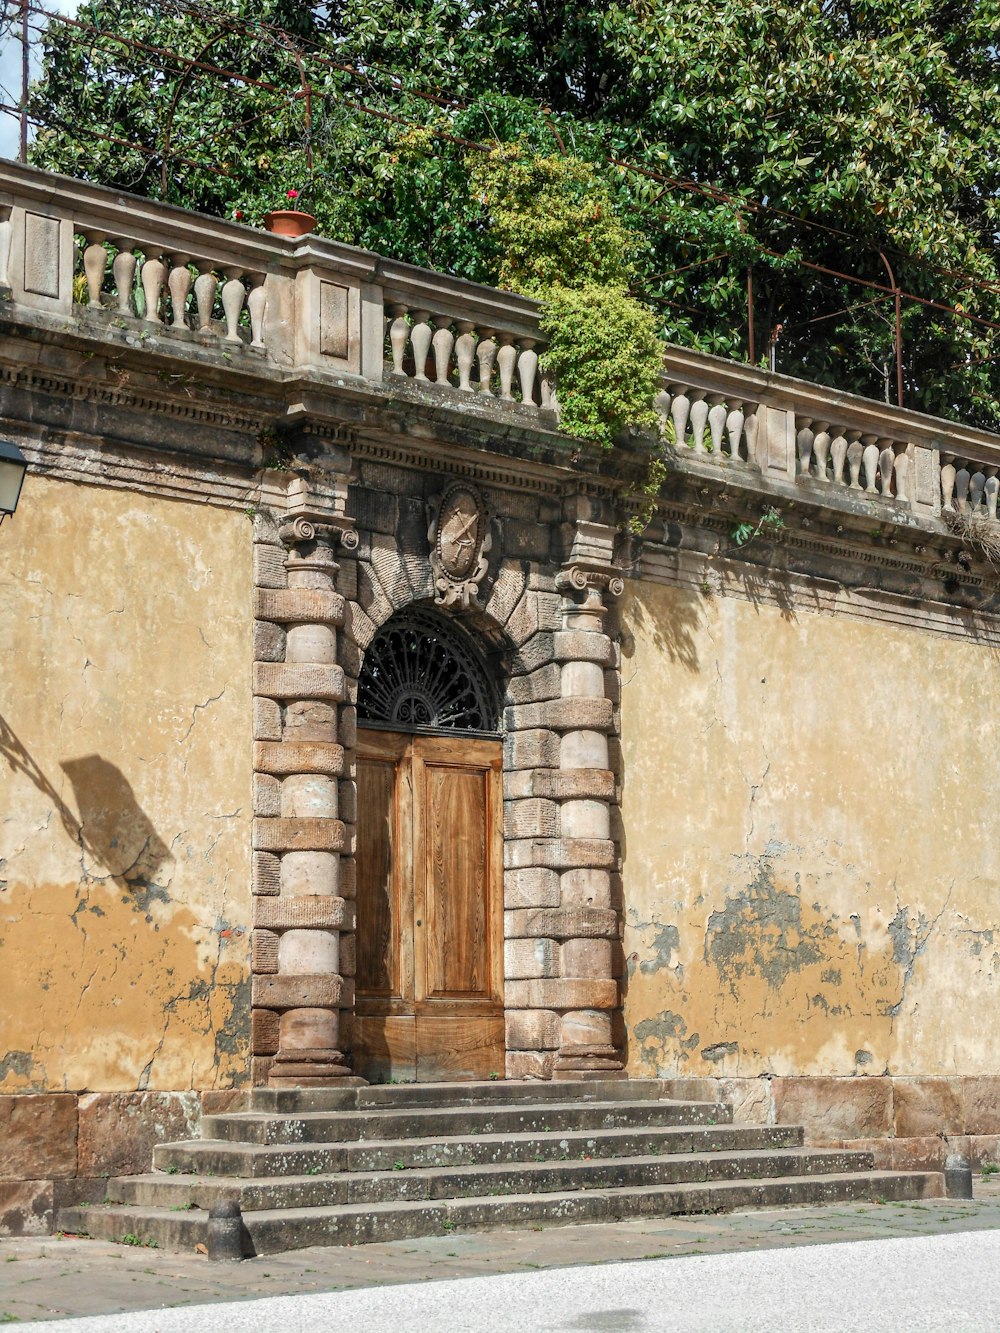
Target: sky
[{"x": 10, "y": 73}]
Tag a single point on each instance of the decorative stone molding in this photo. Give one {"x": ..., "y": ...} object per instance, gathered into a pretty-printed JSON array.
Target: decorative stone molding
[
  {"x": 302, "y": 852},
  {"x": 460, "y": 541}
]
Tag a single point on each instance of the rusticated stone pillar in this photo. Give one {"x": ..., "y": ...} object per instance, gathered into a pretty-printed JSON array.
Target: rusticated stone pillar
[
  {"x": 583, "y": 787},
  {"x": 298, "y": 925}
]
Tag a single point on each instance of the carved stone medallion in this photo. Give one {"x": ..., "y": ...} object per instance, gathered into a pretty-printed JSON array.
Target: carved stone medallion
[{"x": 460, "y": 539}]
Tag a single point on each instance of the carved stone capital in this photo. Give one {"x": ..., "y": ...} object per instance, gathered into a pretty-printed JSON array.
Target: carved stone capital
[
  {"x": 305, "y": 529},
  {"x": 581, "y": 578}
]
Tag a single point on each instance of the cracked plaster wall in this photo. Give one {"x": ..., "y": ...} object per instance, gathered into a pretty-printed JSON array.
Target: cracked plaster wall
[
  {"x": 811, "y": 885},
  {"x": 124, "y": 792}
]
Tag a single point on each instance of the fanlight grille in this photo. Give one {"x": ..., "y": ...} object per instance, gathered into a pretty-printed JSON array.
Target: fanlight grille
[{"x": 421, "y": 672}]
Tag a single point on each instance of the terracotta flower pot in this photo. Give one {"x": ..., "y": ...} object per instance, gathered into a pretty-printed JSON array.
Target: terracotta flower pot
[{"x": 289, "y": 222}]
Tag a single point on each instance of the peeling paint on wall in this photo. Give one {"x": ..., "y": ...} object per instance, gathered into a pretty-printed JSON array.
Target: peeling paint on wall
[
  {"x": 124, "y": 794},
  {"x": 793, "y": 896}
]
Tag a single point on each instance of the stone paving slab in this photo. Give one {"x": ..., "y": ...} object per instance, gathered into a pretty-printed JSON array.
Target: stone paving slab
[{"x": 50, "y": 1278}]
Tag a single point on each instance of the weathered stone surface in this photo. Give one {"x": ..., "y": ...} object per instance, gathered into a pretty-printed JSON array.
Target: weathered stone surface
[
  {"x": 309, "y": 991},
  {"x": 561, "y": 715},
  {"x": 530, "y": 1064},
  {"x": 535, "y": 686},
  {"x": 293, "y": 680},
  {"x": 298, "y": 605},
  {"x": 581, "y": 646},
  {"x": 531, "y": 749},
  {"x": 586, "y": 888},
  {"x": 268, "y": 642},
  {"x": 298, "y": 757},
  {"x": 926, "y": 1106},
  {"x": 27, "y": 1208},
  {"x": 534, "y": 612},
  {"x": 37, "y": 1136},
  {"x": 586, "y": 958},
  {"x": 291, "y": 913},
  {"x": 981, "y": 1104},
  {"x": 833, "y": 1109},
  {"x": 559, "y": 853},
  {"x": 532, "y": 1030},
  {"x": 750, "y": 1099},
  {"x": 562, "y": 993},
  {"x": 570, "y": 784},
  {"x": 264, "y": 1031},
  {"x": 265, "y": 873},
  {"x": 266, "y": 795},
  {"x": 533, "y": 887},
  {"x": 264, "y": 950},
  {"x": 561, "y": 924},
  {"x": 523, "y": 958},
  {"x": 276, "y": 835},
  {"x": 530, "y": 819},
  {"x": 535, "y": 652},
  {"x": 269, "y": 567},
  {"x": 118, "y": 1130},
  {"x": 266, "y": 720}
]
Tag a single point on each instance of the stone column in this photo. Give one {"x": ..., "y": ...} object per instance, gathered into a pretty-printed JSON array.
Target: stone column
[
  {"x": 307, "y": 839},
  {"x": 584, "y": 787}
]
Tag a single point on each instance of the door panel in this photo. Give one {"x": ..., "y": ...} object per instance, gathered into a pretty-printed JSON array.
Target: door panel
[{"x": 430, "y": 912}]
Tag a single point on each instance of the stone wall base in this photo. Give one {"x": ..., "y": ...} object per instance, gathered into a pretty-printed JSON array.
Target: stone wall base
[{"x": 59, "y": 1148}]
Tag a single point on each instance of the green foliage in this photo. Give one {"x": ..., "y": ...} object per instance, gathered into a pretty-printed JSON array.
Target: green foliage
[
  {"x": 878, "y": 118},
  {"x": 605, "y": 356},
  {"x": 769, "y": 524}
]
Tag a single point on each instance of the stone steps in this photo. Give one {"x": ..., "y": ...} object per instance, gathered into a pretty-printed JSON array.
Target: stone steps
[
  {"x": 221, "y": 1158},
  {"x": 270, "y": 1231},
  {"x": 348, "y": 1165}
]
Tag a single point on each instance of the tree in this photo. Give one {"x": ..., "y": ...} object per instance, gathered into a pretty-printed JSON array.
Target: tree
[{"x": 823, "y": 132}]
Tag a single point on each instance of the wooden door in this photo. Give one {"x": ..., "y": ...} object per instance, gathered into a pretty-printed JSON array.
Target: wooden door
[{"x": 430, "y": 912}]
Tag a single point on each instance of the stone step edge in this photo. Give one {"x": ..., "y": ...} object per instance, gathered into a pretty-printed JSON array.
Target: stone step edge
[
  {"x": 399, "y": 1112},
  {"x": 196, "y": 1218},
  {"x": 733, "y": 1155}
]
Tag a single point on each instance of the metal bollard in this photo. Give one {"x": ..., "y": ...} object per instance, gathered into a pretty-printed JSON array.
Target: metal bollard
[
  {"x": 225, "y": 1231},
  {"x": 957, "y": 1177}
]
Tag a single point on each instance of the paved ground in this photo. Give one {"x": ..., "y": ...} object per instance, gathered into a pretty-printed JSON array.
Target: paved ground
[
  {"x": 921, "y": 1284},
  {"x": 50, "y": 1279}
]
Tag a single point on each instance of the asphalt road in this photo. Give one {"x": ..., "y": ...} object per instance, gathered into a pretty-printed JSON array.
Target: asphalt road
[{"x": 911, "y": 1285}]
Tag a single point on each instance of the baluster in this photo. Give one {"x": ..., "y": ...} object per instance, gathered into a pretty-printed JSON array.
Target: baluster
[
  {"x": 734, "y": 428},
  {"x": 716, "y": 422},
  {"x": 507, "y": 360},
  {"x": 486, "y": 355},
  {"x": 750, "y": 432},
  {"x": 465, "y": 354},
  {"x": 547, "y": 390},
  {"x": 233, "y": 296},
  {"x": 855, "y": 455},
  {"x": 680, "y": 410},
  {"x": 870, "y": 459},
  {"x": 420, "y": 341},
  {"x": 123, "y": 272},
  {"x": 257, "y": 304},
  {"x": 699, "y": 419},
  {"x": 6, "y": 235},
  {"x": 95, "y": 264},
  {"x": 804, "y": 443},
  {"x": 443, "y": 340},
  {"x": 962, "y": 479},
  {"x": 821, "y": 449},
  {"x": 990, "y": 490},
  {"x": 976, "y": 487},
  {"x": 399, "y": 336},
  {"x": 179, "y": 286},
  {"x": 152, "y": 276},
  {"x": 901, "y": 468},
  {"x": 886, "y": 462},
  {"x": 527, "y": 369},
  {"x": 205, "y": 286},
  {"x": 947, "y": 482},
  {"x": 838, "y": 454}
]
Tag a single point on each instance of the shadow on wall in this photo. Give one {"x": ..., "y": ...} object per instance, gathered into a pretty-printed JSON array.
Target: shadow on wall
[{"x": 114, "y": 832}]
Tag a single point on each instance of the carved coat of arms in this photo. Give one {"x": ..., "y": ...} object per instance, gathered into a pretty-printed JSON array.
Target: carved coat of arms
[{"x": 459, "y": 536}]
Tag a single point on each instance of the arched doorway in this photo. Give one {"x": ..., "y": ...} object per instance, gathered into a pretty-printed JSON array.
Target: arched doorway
[{"x": 429, "y": 1001}]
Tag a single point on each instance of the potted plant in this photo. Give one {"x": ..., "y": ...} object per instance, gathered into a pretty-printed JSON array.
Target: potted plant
[{"x": 291, "y": 221}]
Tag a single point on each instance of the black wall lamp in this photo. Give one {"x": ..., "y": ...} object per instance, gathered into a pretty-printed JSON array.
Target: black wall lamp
[{"x": 13, "y": 466}]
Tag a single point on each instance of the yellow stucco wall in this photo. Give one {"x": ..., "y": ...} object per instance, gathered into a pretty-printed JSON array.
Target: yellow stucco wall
[
  {"x": 125, "y": 798},
  {"x": 812, "y": 874}
]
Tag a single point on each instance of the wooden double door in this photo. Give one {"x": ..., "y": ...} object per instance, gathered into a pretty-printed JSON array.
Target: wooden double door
[{"x": 430, "y": 912}]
